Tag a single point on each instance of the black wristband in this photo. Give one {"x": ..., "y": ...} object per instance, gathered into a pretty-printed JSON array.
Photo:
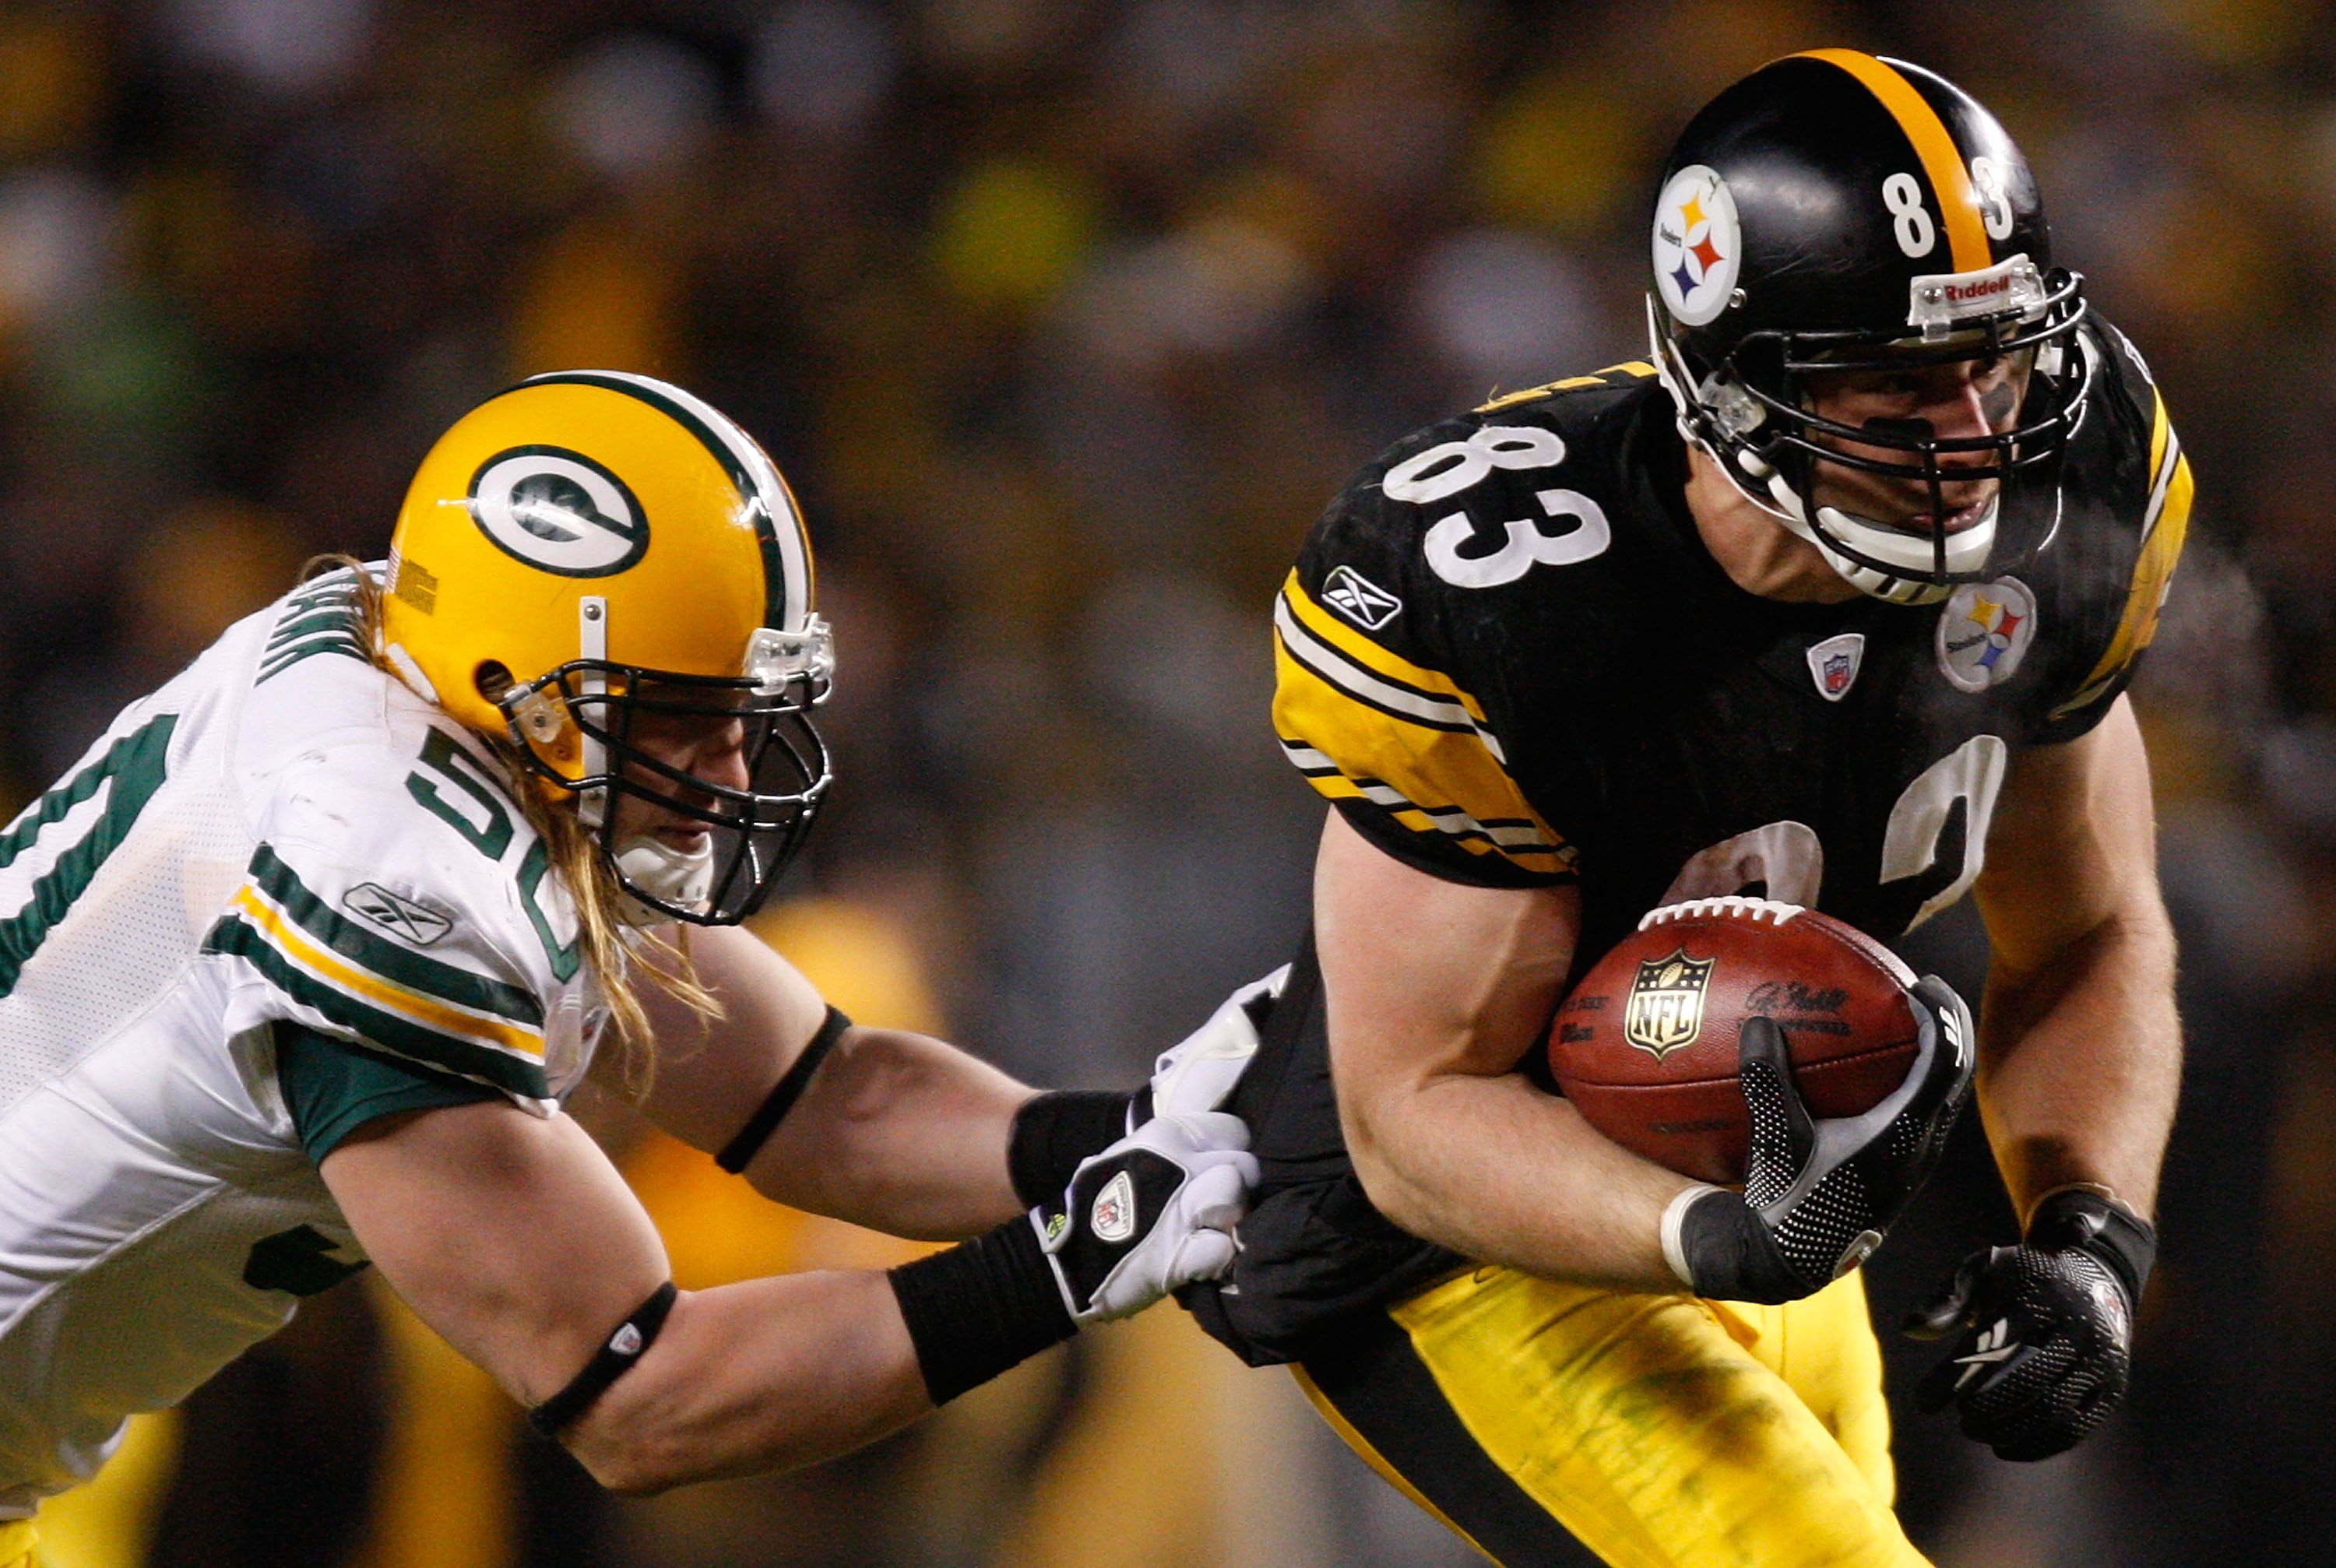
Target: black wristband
[
  {"x": 631, "y": 1340},
  {"x": 740, "y": 1151},
  {"x": 2081, "y": 1218},
  {"x": 1052, "y": 1132},
  {"x": 980, "y": 1308}
]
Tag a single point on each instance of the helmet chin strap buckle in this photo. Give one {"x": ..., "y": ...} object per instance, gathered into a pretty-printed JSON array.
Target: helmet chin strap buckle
[
  {"x": 1737, "y": 411},
  {"x": 541, "y": 714}
]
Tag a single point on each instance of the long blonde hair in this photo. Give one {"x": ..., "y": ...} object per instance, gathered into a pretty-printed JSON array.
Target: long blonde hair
[{"x": 614, "y": 959}]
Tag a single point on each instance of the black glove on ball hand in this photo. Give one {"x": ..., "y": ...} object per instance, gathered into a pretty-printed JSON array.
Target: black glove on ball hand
[
  {"x": 2046, "y": 1342},
  {"x": 1819, "y": 1195}
]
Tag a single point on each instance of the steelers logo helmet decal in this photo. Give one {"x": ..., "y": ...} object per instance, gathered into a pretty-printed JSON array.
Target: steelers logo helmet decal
[
  {"x": 1698, "y": 245},
  {"x": 557, "y": 510}
]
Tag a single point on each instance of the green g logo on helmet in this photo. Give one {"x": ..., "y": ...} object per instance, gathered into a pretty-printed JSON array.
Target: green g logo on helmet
[{"x": 557, "y": 510}]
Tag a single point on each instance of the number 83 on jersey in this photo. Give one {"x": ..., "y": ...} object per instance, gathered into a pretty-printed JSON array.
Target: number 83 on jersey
[{"x": 1451, "y": 545}]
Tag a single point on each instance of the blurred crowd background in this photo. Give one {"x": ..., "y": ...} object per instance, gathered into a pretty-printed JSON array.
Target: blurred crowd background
[{"x": 1065, "y": 317}]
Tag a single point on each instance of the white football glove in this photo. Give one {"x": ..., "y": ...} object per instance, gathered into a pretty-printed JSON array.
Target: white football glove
[
  {"x": 1199, "y": 1072},
  {"x": 1154, "y": 1211}
]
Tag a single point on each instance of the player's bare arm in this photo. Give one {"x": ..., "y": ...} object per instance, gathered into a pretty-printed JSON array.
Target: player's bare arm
[
  {"x": 514, "y": 1238},
  {"x": 2080, "y": 1061},
  {"x": 1454, "y": 1144},
  {"x": 2079, "y": 1043},
  {"x": 892, "y": 1130},
  {"x": 1435, "y": 990}
]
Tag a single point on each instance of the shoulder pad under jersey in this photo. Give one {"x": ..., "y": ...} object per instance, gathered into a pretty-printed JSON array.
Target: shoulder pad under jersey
[{"x": 398, "y": 899}]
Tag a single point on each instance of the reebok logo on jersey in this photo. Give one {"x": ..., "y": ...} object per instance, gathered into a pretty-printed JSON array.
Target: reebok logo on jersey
[
  {"x": 1358, "y": 599},
  {"x": 401, "y": 917}
]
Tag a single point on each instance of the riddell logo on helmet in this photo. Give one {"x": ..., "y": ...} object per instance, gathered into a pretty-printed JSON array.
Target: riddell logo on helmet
[
  {"x": 1985, "y": 288},
  {"x": 1938, "y": 300}
]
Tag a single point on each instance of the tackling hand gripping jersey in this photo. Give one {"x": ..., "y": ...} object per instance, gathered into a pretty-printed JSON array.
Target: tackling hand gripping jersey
[{"x": 283, "y": 835}]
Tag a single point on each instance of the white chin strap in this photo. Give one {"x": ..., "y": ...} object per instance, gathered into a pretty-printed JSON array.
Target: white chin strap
[
  {"x": 1967, "y": 548},
  {"x": 680, "y": 877},
  {"x": 1765, "y": 488}
]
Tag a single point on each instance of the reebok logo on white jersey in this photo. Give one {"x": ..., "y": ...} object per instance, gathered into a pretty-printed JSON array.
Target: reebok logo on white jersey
[{"x": 401, "y": 917}]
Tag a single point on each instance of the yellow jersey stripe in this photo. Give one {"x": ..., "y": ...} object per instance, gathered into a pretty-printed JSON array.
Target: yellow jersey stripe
[
  {"x": 1397, "y": 701},
  {"x": 2164, "y": 454},
  {"x": 2153, "y": 577},
  {"x": 1934, "y": 144},
  {"x": 1639, "y": 368},
  {"x": 1510, "y": 834},
  {"x": 1435, "y": 780},
  {"x": 437, "y": 1013},
  {"x": 1326, "y": 627}
]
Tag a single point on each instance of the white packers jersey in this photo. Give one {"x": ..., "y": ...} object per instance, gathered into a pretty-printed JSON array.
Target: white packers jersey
[{"x": 282, "y": 832}]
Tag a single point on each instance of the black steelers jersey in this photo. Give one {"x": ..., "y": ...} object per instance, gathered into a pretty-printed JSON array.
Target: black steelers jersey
[{"x": 1507, "y": 658}]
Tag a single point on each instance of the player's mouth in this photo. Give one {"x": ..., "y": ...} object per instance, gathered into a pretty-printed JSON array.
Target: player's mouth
[{"x": 1967, "y": 516}]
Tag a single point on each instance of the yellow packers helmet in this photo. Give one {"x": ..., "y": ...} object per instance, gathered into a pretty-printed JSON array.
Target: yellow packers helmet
[{"x": 591, "y": 552}]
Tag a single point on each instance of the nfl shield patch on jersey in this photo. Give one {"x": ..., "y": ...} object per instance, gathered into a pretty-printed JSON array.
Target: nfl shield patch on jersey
[{"x": 1833, "y": 662}]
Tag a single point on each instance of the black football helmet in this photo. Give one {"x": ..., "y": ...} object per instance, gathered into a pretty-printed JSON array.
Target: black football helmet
[{"x": 1833, "y": 212}]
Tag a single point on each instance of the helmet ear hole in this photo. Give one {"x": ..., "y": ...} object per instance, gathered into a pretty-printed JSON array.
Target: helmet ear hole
[{"x": 493, "y": 679}]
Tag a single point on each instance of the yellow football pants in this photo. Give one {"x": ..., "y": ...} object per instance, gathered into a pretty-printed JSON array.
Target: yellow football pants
[
  {"x": 16, "y": 1538},
  {"x": 1657, "y": 1431}
]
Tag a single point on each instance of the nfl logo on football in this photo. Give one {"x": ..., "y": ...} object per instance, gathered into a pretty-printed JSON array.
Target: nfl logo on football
[{"x": 1665, "y": 1012}]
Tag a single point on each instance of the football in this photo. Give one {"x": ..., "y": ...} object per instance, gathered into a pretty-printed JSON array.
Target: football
[{"x": 1645, "y": 1046}]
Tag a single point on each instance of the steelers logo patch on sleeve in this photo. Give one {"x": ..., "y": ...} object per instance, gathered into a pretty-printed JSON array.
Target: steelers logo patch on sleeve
[
  {"x": 558, "y": 511},
  {"x": 1698, "y": 245}
]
